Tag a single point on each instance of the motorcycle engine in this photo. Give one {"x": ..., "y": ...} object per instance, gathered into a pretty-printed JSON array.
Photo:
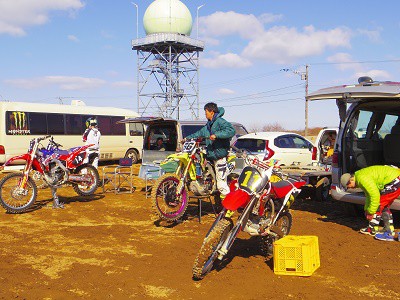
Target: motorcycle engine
[
  {"x": 56, "y": 174},
  {"x": 203, "y": 186},
  {"x": 199, "y": 188}
]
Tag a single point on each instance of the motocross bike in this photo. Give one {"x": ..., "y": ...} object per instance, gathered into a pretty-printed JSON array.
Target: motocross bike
[
  {"x": 18, "y": 191},
  {"x": 263, "y": 208},
  {"x": 190, "y": 171}
]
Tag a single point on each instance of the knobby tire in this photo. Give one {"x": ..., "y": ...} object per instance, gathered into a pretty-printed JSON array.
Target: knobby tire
[
  {"x": 8, "y": 201},
  {"x": 208, "y": 251},
  {"x": 168, "y": 213},
  {"x": 87, "y": 192}
]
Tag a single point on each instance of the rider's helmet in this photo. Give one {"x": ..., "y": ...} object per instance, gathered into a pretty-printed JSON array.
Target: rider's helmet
[{"x": 91, "y": 122}]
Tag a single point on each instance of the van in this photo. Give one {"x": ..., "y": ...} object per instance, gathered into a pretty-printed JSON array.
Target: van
[
  {"x": 369, "y": 131},
  {"x": 171, "y": 131}
]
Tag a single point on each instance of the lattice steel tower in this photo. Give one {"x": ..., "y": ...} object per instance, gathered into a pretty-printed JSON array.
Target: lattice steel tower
[{"x": 168, "y": 62}]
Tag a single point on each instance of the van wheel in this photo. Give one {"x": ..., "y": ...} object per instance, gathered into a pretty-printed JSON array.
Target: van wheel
[{"x": 131, "y": 153}]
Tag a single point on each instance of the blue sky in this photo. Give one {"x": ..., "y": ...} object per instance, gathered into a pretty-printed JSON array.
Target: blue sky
[{"x": 81, "y": 49}]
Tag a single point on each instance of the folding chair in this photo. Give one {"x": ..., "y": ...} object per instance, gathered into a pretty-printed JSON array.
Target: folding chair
[
  {"x": 119, "y": 177},
  {"x": 150, "y": 172}
]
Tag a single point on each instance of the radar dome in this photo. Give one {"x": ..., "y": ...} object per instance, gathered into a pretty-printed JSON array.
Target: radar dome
[{"x": 170, "y": 16}]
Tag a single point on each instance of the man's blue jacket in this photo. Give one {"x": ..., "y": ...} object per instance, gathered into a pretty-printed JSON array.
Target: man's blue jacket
[{"x": 222, "y": 129}]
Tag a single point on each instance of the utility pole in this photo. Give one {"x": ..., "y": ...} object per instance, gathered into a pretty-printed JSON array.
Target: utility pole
[
  {"x": 303, "y": 76},
  {"x": 306, "y": 108}
]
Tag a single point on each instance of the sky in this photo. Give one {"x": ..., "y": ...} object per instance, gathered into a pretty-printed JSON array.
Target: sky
[{"x": 54, "y": 51}]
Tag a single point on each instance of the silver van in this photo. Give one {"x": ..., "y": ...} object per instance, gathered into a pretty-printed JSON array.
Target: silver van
[
  {"x": 369, "y": 131},
  {"x": 171, "y": 131}
]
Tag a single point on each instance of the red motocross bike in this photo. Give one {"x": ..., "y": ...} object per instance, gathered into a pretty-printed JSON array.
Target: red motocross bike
[
  {"x": 18, "y": 191},
  {"x": 263, "y": 207}
]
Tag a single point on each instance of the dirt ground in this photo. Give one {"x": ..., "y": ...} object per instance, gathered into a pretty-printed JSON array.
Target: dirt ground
[{"x": 113, "y": 247}]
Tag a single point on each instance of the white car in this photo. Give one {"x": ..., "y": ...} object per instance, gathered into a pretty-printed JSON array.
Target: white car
[{"x": 288, "y": 148}]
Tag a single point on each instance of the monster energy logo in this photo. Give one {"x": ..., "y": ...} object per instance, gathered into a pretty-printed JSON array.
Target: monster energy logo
[{"x": 18, "y": 124}]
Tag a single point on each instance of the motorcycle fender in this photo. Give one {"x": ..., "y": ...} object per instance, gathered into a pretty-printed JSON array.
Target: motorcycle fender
[
  {"x": 18, "y": 157},
  {"x": 35, "y": 164},
  {"x": 236, "y": 199},
  {"x": 76, "y": 159}
]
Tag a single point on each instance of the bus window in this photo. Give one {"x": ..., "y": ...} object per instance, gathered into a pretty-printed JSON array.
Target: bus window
[
  {"x": 55, "y": 123},
  {"x": 104, "y": 123},
  {"x": 117, "y": 129},
  {"x": 73, "y": 124},
  {"x": 37, "y": 123},
  {"x": 136, "y": 129}
]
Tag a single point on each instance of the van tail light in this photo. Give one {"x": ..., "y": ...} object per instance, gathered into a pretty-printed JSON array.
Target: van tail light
[
  {"x": 335, "y": 159},
  {"x": 2, "y": 149},
  {"x": 268, "y": 151},
  {"x": 314, "y": 153}
]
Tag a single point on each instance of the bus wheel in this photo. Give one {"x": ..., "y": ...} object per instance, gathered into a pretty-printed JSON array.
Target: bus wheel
[{"x": 131, "y": 153}]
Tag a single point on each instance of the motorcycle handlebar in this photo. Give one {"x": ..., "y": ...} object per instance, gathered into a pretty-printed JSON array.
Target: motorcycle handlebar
[{"x": 43, "y": 138}]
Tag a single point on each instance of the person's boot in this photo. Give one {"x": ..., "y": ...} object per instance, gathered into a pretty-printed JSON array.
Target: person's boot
[
  {"x": 387, "y": 236},
  {"x": 56, "y": 201}
]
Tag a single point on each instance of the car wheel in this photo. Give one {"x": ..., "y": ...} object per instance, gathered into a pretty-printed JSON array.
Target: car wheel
[{"x": 131, "y": 153}]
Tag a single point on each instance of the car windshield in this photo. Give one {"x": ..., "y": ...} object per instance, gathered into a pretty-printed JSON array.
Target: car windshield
[
  {"x": 190, "y": 129},
  {"x": 253, "y": 145},
  {"x": 240, "y": 130}
]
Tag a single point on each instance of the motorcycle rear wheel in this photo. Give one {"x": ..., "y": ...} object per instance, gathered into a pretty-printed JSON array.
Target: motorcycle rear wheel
[
  {"x": 13, "y": 200},
  {"x": 84, "y": 188},
  {"x": 209, "y": 249},
  {"x": 166, "y": 203}
]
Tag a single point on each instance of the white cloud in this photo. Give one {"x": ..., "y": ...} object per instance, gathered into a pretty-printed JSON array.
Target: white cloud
[
  {"x": 228, "y": 60},
  {"x": 230, "y": 23},
  {"x": 16, "y": 16},
  {"x": 62, "y": 82},
  {"x": 269, "y": 18},
  {"x": 372, "y": 35},
  {"x": 73, "y": 38},
  {"x": 344, "y": 61},
  {"x": 376, "y": 75},
  {"x": 278, "y": 44},
  {"x": 347, "y": 63},
  {"x": 123, "y": 84},
  {"x": 224, "y": 91},
  {"x": 284, "y": 45}
]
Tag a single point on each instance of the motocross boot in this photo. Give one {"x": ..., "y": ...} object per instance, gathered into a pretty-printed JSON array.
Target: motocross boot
[{"x": 56, "y": 201}]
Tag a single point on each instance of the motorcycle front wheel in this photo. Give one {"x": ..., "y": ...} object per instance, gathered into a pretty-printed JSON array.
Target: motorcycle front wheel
[
  {"x": 87, "y": 188},
  {"x": 15, "y": 199},
  {"x": 166, "y": 203},
  {"x": 209, "y": 249}
]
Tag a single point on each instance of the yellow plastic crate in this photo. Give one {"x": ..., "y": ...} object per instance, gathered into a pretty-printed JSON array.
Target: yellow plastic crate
[{"x": 296, "y": 255}]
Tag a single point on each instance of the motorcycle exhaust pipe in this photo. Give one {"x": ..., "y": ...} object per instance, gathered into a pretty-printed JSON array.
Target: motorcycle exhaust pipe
[{"x": 77, "y": 178}]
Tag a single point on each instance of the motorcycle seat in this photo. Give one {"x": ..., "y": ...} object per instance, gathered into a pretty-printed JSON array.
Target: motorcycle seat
[{"x": 63, "y": 152}]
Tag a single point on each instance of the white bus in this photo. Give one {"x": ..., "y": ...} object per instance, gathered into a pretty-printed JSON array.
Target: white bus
[{"x": 22, "y": 121}]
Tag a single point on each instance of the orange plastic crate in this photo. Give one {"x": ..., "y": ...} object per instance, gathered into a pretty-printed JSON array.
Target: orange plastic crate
[{"x": 296, "y": 255}]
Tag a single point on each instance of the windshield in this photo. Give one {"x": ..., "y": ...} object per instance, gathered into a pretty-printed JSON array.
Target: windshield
[
  {"x": 253, "y": 145},
  {"x": 240, "y": 130},
  {"x": 190, "y": 129}
]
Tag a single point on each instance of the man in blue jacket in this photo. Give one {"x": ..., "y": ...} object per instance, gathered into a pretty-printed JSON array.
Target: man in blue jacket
[{"x": 219, "y": 131}]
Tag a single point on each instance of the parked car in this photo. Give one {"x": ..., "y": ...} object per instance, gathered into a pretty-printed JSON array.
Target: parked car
[
  {"x": 289, "y": 148},
  {"x": 369, "y": 131}
]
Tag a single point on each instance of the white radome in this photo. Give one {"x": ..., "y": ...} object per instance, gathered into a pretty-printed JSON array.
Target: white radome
[{"x": 167, "y": 16}]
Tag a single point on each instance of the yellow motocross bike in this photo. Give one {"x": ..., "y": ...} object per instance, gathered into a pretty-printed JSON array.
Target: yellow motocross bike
[{"x": 186, "y": 171}]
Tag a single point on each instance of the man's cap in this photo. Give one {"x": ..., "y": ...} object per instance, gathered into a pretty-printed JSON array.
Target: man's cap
[{"x": 344, "y": 179}]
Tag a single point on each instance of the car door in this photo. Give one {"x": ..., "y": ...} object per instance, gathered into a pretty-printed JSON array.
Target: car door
[{"x": 293, "y": 149}]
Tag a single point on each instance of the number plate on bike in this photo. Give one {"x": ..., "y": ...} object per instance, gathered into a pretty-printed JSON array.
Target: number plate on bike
[
  {"x": 250, "y": 180},
  {"x": 188, "y": 146}
]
